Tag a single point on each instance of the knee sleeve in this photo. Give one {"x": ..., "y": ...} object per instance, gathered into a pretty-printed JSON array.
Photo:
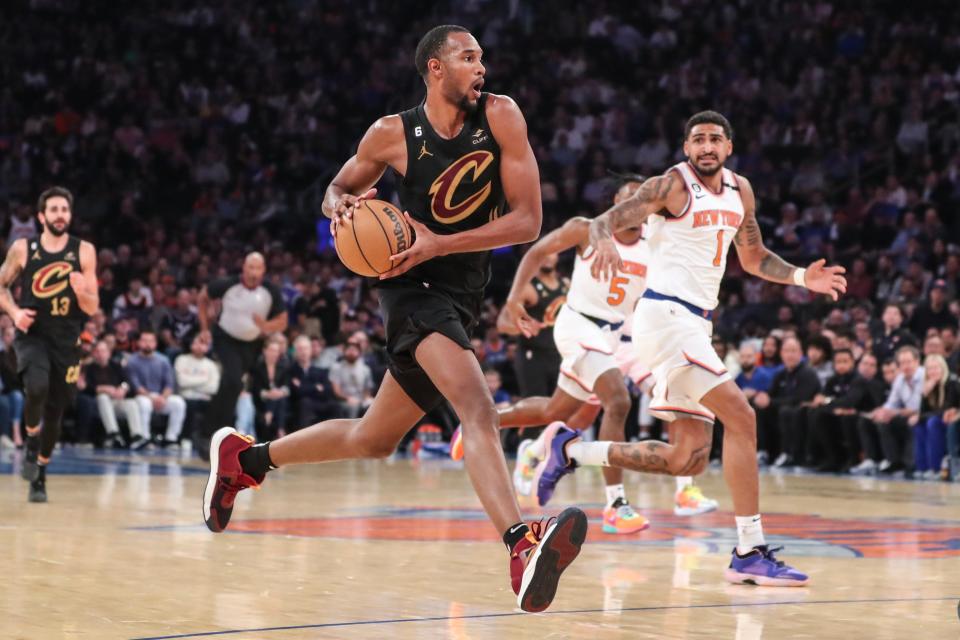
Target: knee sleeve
[{"x": 36, "y": 385}]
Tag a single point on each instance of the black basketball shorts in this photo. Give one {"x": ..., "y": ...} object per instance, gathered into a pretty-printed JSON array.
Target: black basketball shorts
[{"x": 410, "y": 314}]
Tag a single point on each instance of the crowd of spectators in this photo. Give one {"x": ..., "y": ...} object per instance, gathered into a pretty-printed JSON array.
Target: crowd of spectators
[{"x": 192, "y": 132}]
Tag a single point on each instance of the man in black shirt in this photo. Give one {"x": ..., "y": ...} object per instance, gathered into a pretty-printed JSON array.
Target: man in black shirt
[
  {"x": 178, "y": 326},
  {"x": 310, "y": 388},
  {"x": 106, "y": 384},
  {"x": 784, "y": 409},
  {"x": 933, "y": 313},
  {"x": 832, "y": 408},
  {"x": 893, "y": 335}
]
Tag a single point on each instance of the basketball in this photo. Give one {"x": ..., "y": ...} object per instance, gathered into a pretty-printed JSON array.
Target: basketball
[{"x": 366, "y": 241}]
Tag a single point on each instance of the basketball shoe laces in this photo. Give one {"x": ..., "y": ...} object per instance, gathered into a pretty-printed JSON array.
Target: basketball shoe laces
[
  {"x": 768, "y": 555},
  {"x": 533, "y": 536}
]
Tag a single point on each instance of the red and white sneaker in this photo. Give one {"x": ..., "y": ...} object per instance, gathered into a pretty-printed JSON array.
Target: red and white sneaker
[
  {"x": 226, "y": 477},
  {"x": 539, "y": 559}
]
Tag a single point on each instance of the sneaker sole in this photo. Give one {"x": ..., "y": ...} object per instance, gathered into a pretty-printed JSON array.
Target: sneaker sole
[
  {"x": 37, "y": 498},
  {"x": 559, "y": 547},
  {"x": 519, "y": 482},
  {"x": 218, "y": 438},
  {"x": 693, "y": 511},
  {"x": 735, "y": 577},
  {"x": 548, "y": 435}
]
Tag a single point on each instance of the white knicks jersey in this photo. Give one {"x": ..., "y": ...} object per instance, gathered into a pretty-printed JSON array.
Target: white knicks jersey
[
  {"x": 615, "y": 299},
  {"x": 689, "y": 251}
]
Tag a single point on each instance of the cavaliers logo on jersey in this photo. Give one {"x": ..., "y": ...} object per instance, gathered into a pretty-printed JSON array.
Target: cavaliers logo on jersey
[
  {"x": 51, "y": 279},
  {"x": 444, "y": 188},
  {"x": 550, "y": 315}
]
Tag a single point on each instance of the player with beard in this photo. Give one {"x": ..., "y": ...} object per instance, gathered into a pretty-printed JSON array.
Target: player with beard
[
  {"x": 58, "y": 292},
  {"x": 461, "y": 156},
  {"x": 696, "y": 209}
]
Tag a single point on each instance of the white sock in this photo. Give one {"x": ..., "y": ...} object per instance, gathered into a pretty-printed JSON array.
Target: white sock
[
  {"x": 615, "y": 491},
  {"x": 538, "y": 449},
  {"x": 683, "y": 482},
  {"x": 749, "y": 533},
  {"x": 591, "y": 454}
]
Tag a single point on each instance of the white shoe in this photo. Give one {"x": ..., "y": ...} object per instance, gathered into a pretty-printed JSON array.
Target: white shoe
[
  {"x": 884, "y": 465},
  {"x": 690, "y": 501},
  {"x": 868, "y": 466},
  {"x": 6, "y": 442},
  {"x": 525, "y": 466},
  {"x": 782, "y": 460}
]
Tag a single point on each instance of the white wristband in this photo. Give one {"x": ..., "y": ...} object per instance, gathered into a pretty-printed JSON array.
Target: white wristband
[{"x": 799, "y": 277}]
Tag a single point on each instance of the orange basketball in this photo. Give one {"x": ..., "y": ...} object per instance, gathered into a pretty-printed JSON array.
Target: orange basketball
[{"x": 377, "y": 231}]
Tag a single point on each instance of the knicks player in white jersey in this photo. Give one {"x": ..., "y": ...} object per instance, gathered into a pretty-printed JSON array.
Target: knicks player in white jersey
[
  {"x": 698, "y": 207},
  {"x": 587, "y": 334}
]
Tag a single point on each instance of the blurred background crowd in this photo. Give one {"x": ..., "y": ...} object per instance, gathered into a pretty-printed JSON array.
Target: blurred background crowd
[{"x": 194, "y": 132}]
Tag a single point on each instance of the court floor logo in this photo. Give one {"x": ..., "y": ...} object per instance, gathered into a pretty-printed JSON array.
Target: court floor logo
[{"x": 809, "y": 535}]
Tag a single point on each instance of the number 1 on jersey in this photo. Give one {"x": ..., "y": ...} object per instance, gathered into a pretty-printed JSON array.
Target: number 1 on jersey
[{"x": 719, "y": 256}]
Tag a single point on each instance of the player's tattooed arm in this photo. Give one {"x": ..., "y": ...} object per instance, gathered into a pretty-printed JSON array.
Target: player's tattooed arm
[
  {"x": 652, "y": 196},
  {"x": 11, "y": 268},
  {"x": 760, "y": 261}
]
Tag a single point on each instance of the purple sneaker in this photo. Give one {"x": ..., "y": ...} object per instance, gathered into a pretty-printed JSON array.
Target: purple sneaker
[
  {"x": 556, "y": 464},
  {"x": 760, "y": 567}
]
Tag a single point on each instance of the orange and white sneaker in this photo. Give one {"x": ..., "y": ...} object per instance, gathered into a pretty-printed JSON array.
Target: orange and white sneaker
[
  {"x": 621, "y": 518},
  {"x": 456, "y": 443},
  {"x": 690, "y": 501},
  {"x": 524, "y": 468}
]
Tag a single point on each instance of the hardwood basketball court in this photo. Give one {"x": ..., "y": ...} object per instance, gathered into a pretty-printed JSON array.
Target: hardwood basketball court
[{"x": 400, "y": 549}]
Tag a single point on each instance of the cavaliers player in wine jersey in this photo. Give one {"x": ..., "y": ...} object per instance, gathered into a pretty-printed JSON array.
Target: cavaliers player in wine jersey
[
  {"x": 696, "y": 209},
  {"x": 58, "y": 279},
  {"x": 462, "y": 157}
]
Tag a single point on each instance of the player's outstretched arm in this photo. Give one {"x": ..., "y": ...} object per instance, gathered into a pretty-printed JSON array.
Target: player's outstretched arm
[
  {"x": 756, "y": 259},
  {"x": 11, "y": 268},
  {"x": 513, "y": 317},
  {"x": 383, "y": 142},
  {"x": 520, "y": 178},
  {"x": 655, "y": 194}
]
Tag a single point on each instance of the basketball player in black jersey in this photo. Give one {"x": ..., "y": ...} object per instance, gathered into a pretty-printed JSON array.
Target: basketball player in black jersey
[
  {"x": 538, "y": 362},
  {"x": 58, "y": 292},
  {"x": 462, "y": 155}
]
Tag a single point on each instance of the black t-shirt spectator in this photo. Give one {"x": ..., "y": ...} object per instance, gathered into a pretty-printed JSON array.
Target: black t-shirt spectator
[
  {"x": 181, "y": 326},
  {"x": 925, "y": 317},
  {"x": 112, "y": 374},
  {"x": 312, "y": 382},
  {"x": 885, "y": 346},
  {"x": 791, "y": 388},
  {"x": 862, "y": 395}
]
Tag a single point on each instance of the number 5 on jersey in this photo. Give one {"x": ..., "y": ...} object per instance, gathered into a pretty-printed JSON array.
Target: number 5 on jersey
[{"x": 617, "y": 291}]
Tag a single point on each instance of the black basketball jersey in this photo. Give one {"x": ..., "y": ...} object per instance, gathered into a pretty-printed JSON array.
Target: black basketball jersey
[
  {"x": 452, "y": 186},
  {"x": 545, "y": 310},
  {"x": 45, "y": 288}
]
